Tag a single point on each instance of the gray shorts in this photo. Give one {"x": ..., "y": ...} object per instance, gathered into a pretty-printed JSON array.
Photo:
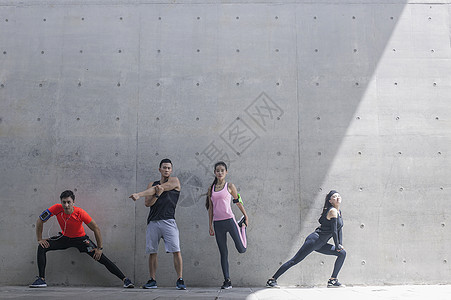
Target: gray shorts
[{"x": 162, "y": 229}]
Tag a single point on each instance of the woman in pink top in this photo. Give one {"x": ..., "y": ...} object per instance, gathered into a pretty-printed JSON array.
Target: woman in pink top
[{"x": 222, "y": 220}]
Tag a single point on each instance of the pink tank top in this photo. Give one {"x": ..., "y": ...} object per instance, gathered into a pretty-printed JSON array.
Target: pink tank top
[{"x": 221, "y": 204}]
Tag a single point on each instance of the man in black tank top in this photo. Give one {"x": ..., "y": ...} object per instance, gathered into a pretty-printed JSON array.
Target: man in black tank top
[
  {"x": 162, "y": 197},
  {"x": 164, "y": 207}
]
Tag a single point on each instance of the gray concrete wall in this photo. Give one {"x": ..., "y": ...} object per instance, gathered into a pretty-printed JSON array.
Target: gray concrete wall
[{"x": 299, "y": 97}]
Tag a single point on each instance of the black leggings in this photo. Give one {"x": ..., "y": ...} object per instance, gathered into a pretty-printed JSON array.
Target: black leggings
[
  {"x": 238, "y": 235},
  {"x": 83, "y": 244},
  {"x": 314, "y": 243}
]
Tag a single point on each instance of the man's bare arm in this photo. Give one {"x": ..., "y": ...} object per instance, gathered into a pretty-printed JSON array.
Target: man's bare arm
[{"x": 173, "y": 183}]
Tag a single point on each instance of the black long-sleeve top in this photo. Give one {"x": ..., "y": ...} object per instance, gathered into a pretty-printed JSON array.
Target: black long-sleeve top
[{"x": 331, "y": 229}]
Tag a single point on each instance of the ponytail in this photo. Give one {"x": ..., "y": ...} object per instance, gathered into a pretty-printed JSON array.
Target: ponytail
[{"x": 207, "y": 201}]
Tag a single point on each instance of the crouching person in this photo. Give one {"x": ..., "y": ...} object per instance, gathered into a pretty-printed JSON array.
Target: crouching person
[{"x": 70, "y": 219}]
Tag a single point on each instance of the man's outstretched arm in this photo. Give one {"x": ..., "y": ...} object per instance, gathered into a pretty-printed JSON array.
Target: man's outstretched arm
[{"x": 171, "y": 184}]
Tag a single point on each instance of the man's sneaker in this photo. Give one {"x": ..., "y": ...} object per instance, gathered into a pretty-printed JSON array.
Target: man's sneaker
[
  {"x": 38, "y": 283},
  {"x": 241, "y": 221},
  {"x": 180, "y": 285},
  {"x": 226, "y": 285},
  {"x": 333, "y": 283},
  {"x": 272, "y": 283},
  {"x": 151, "y": 284},
  {"x": 128, "y": 284}
]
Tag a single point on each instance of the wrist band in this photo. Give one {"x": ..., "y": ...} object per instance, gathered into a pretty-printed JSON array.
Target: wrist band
[{"x": 238, "y": 200}]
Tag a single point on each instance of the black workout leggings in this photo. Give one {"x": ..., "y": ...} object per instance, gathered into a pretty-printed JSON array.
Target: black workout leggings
[
  {"x": 82, "y": 244},
  {"x": 314, "y": 243},
  {"x": 221, "y": 229}
]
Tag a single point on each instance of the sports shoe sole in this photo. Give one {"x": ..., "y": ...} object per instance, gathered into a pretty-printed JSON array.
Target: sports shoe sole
[
  {"x": 241, "y": 222},
  {"x": 38, "y": 286},
  {"x": 336, "y": 287}
]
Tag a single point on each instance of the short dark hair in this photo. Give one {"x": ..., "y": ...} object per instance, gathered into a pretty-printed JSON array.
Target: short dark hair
[
  {"x": 165, "y": 161},
  {"x": 66, "y": 194}
]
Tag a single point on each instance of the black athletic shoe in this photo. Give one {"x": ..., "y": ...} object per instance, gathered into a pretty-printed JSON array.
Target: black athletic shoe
[
  {"x": 180, "y": 284},
  {"x": 38, "y": 283},
  {"x": 226, "y": 285},
  {"x": 333, "y": 283},
  {"x": 151, "y": 284},
  {"x": 272, "y": 283},
  {"x": 241, "y": 221},
  {"x": 128, "y": 284}
]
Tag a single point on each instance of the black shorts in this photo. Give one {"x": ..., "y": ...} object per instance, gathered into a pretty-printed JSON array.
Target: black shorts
[{"x": 84, "y": 244}]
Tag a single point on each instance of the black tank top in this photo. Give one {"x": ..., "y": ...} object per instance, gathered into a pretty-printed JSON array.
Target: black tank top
[
  {"x": 325, "y": 229},
  {"x": 164, "y": 207}
]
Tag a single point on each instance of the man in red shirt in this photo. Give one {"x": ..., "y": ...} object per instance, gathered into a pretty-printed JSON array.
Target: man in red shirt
[{"x": 70, "y": 219}]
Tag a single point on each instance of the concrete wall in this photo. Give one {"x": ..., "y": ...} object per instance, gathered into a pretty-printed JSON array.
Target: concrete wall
[{"x": 298, "y": 96}]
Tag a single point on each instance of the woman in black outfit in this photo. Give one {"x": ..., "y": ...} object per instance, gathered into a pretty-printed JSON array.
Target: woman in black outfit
[{"x": 331, "y": 224}]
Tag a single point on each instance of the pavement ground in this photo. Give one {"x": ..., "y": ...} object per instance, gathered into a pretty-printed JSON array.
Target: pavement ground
[{"x": 404, "y": 292}]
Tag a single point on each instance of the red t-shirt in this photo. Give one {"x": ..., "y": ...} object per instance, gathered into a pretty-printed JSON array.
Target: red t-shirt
[{"x": 71, "y": 225}]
